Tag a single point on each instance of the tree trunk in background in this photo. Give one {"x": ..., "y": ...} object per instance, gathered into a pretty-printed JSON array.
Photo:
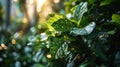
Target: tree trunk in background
[
  {"x": 24, "y": 28},
  {"x": 36, "y": 14},
  {"x": 7, "y": 14}
]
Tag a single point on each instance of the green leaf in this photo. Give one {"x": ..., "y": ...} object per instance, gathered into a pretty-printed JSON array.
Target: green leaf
[
  {"x": 84, "y": 65},
  {"x": 116, "y": 18},
  {"x": 38, "y": 65},
  {"x": 51, "y": 15},
  {"x": 91, "y": 1},
  {"x": 32, "y": 38},
  {"x": 63, "y": 25},
  {"x": 112, "y": 32},
  {"x": 80, "y": 10},
  {"x": 99, "y": 53},
  {"x": 105, "y": 2},
  {"x": 84, "y": 22},
  {"x": 56, "y": 43},
  {"x": 53, "y": 18},
  {"x": 83, "y": 31},
  {"x": 62, "y": 51}
]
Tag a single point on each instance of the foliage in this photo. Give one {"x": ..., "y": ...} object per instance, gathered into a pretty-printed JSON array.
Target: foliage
[
  {"x": 87, "y": 37},
  {"x": 84, "y": 39}
]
